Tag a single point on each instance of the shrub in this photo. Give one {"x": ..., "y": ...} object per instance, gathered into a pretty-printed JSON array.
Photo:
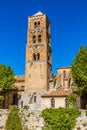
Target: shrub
[
  {"x": 1, "y": 101},
  {"x": 13, "y": 122},
  {"x": 72, "y": 99},
  {"x": 26, "y": 107},
  {"x": 60, "y": 119}
]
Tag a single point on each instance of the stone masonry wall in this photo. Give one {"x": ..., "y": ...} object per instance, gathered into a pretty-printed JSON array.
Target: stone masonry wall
[{"x": 3, "y": 116}]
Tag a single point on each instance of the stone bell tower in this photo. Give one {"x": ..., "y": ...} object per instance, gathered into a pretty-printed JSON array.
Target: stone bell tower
[{"x": 38, "y": 53}]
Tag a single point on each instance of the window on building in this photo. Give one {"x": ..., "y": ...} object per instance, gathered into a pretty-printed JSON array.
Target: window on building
[
  {"x": 39, "y": 38},
  {"x": 15, "y": 99},
  {"x": 38, "y": 23},
  {"x": 69, "y": 83},
  {"x": 48, "y": 57},
  {"x": 66, "y": 102},
  {"x": 34, "y": 56},
  {"x": 53, "y": 102},
  {"x": 21, "y": 104},
  {"x": 35, "y": 99},
  {"x": 64, "y": 74},
  {"x": 34, "y": 39},
  {"x": 22, "y": 87},
  {"x": 35, "y": 24},
  {"x": 38, "y": 56}
]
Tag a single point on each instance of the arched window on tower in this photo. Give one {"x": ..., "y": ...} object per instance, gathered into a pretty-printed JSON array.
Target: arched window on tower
[
  {"x": 34, "y": 56},
  {"x": 35, "y": 98},
  {"x": 53, "y": 102},
  {"x": 34, "y": 39},
  {"x": 39, "y": 38},
  {"x": 38, "y": 56},
  {"x": 35, "y": 24},
  {"x": 38, "y": 24}
]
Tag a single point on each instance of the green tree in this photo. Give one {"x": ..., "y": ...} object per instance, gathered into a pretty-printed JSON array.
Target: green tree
[
  {"x": 13, "y": 121},
  {"x": 79, "y": 69},
  {"x": 7, "y": 79},
  {"x": 60, "y": 118}
]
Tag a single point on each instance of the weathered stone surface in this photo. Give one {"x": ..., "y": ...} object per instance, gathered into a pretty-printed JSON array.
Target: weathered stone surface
[
  {"x": 3, "y": 116},
  {"x": 38, "y": 54},
  {"x": 28, "y": 100},
  {"x": 81, "y": 121},
  {"x": 31, "y": 120}
]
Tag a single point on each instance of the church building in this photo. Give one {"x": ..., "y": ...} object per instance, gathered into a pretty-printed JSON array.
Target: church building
[{"x": 39, "y": 88}]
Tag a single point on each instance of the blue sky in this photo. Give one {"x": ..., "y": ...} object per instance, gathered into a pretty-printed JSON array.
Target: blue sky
[{"x": 68, "y": 30}]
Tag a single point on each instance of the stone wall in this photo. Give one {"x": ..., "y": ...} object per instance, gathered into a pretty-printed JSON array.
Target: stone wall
[
  {"x": 28, "y": 100},
  {"x": 36, "y": 76},
  {"x": 81, "y": 121},
  {"x": 10, "y": 98},
  {"x": 38, "y": 53},
  {"x": 3, "y": 116},
  {"x": 64, "y": 78},
  {"x": 59, "y": 102},
  {"x": 20, "y": 82},
  {"x": 31, "y": 120},
  {"x": 46, "y": 102}
]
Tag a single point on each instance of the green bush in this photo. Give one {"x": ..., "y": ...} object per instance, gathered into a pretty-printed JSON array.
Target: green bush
[
  {"x": 13, "y": 122},
  {"x": 26, "y": 107},
  {"x": 1, "y": 101},
  {"x": 60, "y": 119},
  {"x": 72, "y": 99}
]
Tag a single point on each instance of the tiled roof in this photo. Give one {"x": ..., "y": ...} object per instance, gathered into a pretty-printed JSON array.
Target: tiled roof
[
  {"x": 65, "y": 67},
  {"x": 20, "y": 78},
  {"x": 60, "y": 92},
  {"x": 38, "y": 13}
]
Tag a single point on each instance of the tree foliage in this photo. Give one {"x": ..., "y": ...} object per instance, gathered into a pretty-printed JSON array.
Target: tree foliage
[
  {"x": 60, "y": 118},
  {"x": 6, "y": 77},
  {"x": 79, "y": 68},
  {"x": 13, "y": 122},
  {"x": 1, "y": 101},
  {"x": 72, "y": 99}
]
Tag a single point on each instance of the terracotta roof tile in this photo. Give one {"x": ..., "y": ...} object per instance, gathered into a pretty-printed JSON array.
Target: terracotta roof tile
[
  {"x": 57, "y": 93},
  {"x": 19, "y": 78}
]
